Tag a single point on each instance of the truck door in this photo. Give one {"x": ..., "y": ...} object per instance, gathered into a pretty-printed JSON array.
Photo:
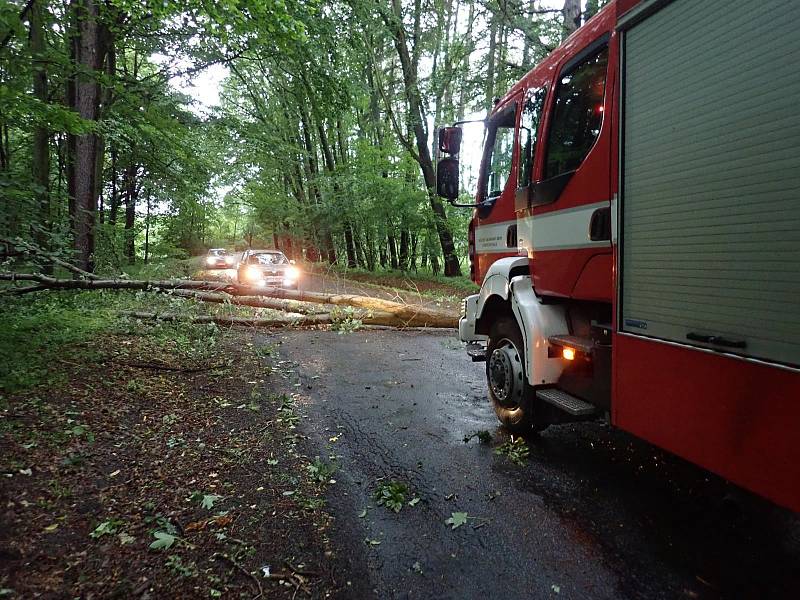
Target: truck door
[{"x": 573, "y": 184}]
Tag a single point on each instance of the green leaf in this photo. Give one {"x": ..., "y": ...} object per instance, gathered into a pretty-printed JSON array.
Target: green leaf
[
  {"x": 457, "y": 519},
  {"x": 124, "y": 538},
  {"x": 163, "y": 541},
  {"x": 208, "y": 501},
  {"x": 413, "y": 502},
  {"x": 105, "y": 528}
]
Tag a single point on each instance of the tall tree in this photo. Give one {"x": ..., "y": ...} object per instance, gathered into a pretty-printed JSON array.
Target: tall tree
[
  {"x": 417, "y": 117},
  {"x": 88, "y": 50},
  {"x": 41, "y": 136}
]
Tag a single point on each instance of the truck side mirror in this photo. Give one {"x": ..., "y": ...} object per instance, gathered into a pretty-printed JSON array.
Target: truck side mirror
[
  {"x": 450, "y": 140},
  {"x": 447, "y": 178}
]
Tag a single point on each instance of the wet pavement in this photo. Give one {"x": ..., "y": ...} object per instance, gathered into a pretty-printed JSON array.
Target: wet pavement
[{"x": 593, "y": 513}]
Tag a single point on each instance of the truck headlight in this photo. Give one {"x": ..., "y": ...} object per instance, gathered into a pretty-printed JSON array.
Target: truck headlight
[{"x": 292, "y": 274}]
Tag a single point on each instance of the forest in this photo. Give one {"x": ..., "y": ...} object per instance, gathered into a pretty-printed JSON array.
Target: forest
[{"x": 321, "y": 143}]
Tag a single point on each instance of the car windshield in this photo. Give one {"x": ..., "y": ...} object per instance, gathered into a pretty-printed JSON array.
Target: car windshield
[
  {"x": 216, "y": 252},
  {"x": 268, "y": 258}
]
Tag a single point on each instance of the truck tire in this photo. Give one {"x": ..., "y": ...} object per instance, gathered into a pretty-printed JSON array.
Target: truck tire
[{"x": 513, "y": 399}]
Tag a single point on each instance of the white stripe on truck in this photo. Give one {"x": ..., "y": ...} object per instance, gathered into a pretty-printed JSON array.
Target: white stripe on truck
[{"x": 557, "y": 230}]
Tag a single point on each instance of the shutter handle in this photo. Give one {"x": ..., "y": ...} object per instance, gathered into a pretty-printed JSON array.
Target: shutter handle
[{"x": 716, "y": 340}]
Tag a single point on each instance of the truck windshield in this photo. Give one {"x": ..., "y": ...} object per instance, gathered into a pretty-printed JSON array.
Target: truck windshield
[{"x": 498, "y": 154}]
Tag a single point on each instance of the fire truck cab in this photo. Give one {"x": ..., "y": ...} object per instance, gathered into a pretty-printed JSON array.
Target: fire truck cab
[{"x": 636, "y": 236}]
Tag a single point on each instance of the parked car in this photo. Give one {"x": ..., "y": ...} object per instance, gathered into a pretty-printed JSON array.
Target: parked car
[
  {"x": 219, "y": 258},
  {"x": 264, "y": 268}
]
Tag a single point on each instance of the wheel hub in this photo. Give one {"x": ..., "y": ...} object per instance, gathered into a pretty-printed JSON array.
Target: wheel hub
[{"x": 505, "y": 375}]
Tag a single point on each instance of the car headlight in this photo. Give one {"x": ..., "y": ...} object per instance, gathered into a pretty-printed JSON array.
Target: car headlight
[
  {"x": 228, "y": 260},
  {"x": 210, "y": 260},
  {"x": 252, "y": 273},
  {"x": 292, "y": 273}
]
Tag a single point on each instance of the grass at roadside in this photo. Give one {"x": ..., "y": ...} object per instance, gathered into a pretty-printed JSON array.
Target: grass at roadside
[
  {"x": 45, "y": 330},
  {"x": 150, "y": 458}
]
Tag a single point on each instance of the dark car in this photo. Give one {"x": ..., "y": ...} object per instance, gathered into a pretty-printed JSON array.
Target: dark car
[
  {"x": 271, "y": 268},
  {"x": 219, "y": 258}
]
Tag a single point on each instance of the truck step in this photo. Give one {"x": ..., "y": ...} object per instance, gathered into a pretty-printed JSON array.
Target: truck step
[
  {"x": 566, "y": 402},
  {"x": 476, "y": 352}
]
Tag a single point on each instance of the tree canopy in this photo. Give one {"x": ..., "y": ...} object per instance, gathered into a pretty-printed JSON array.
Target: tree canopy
[{"x": 321, "y": 143}]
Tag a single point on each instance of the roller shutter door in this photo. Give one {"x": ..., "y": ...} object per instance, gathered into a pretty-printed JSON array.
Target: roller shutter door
[{"x": 710, "y": 197}]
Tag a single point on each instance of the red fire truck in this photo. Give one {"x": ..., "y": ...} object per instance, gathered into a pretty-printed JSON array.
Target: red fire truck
[{"x": 636, "y": 235}]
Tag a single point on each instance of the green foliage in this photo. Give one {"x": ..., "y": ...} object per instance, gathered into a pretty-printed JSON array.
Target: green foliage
[
  {"x": 515, "y": 449},
  {"x": 176, "y": 565},
  {"x": 320, "y": 471},
  {"x": 391, "y": 494},
  {"x": 105, "y": 528},
  {"x": 163, "y": 541},
  {"x": 457, "y": 519},
  {"x": 343, "y": 319},
  {"x": 42, "y": 328}
]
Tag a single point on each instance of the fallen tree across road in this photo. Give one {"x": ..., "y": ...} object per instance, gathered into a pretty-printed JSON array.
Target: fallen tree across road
[
  {"x": 298, "y": 320},
  {"x": 421, "y": 316},
  {"x": 375, "y": 311}
]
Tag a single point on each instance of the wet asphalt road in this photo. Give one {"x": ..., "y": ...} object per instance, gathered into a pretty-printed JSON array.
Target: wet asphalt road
[{"x": 594, "y": 513}]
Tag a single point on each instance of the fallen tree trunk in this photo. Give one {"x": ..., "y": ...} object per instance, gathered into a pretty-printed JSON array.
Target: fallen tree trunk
[
  {"x": 379, "y": 311},
  {"x": 422, "y": 316},
  {"x": 254, "y": 301},
  {"x": 366, "y": 318},
  {"x": 54, "y": 283},
  {"x": 321, "y": 319}
]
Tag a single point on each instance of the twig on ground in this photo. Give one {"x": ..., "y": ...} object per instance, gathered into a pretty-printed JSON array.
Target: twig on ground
[
  {"x": 245, "y": 571},
  {"x": 159, "y": 367}
]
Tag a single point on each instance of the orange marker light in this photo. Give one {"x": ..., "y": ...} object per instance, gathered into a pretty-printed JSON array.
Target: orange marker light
[{"x": 568, "y": 353}]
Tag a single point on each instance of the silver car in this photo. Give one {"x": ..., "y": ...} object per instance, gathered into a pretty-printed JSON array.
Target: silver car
[{"x": 268, "y": 268}]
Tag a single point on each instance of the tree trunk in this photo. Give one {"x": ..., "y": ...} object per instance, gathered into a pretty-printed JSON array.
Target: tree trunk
[
  {"x": 592, "y": 8},
  {"x": 41, "y": 136},
  {"x": 393, "y": 252},
  {"x": 412, "y": 315},
  {"x": 382, "y": 258},
  {"x": 87, "y": 53},
  {"x": 130, "y": 213},
  {"x": 147, "y": 230},
  {"x": 350, "y": 246},
  {"x": 417, "y": 117},
  {"x": 330, "y": 166},
  {"x": 490, "y": 66},
  {"x": 572, "y": 17},
  {"x": 403, "y": 257},
  {"x": 113, "y": 208}
]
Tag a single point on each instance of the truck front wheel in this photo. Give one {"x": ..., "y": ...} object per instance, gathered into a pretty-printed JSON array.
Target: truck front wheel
[{"x": 512, "y": 397}]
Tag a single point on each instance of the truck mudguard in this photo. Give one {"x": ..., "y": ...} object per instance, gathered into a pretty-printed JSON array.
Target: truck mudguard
[
  {"x": 537, "y": 322},
  {"x": 497, "y": 280}
]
